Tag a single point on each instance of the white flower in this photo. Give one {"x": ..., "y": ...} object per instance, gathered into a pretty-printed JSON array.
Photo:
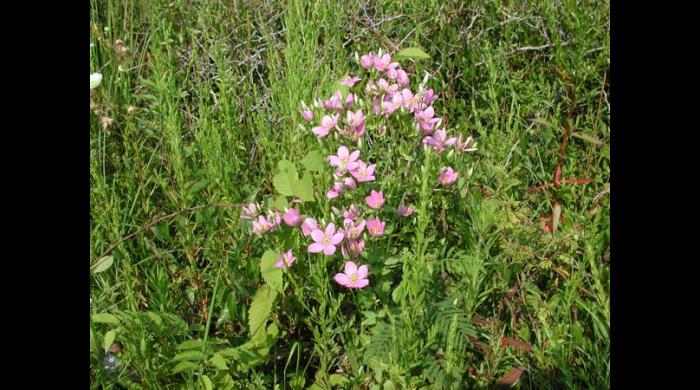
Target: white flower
[{"x": 95, "y": 80}]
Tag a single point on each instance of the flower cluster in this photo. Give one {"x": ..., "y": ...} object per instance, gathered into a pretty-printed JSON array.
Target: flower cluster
[{"x": 347, "y": 116}]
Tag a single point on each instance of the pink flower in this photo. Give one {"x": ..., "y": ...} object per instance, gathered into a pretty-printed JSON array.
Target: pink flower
[
  {"x": 363, "y": 173},
  {"x": 448, "y": 176},
  {"x": 439, "y": 141},
  {"x": 384, "y": 87},
  {"x": 261, "y": 226},
  {"x": 353, "y": 277},
  {"x": 328, "y": 123},
  {"x": 349, "y": 183},
  {"x": 356, "y": 123},
  {"x": 308, "y": 226},
  {"x": 384, "y": 63},
  {"x": 335, "y": 102},
  {"x": 338, "y": 188},
  {"x": 428, "y": 95},
  {"x": 388, "y": 107},
  {"x": 464, "y": 146},
  {"x": 292, "y": 217},
  {"x": 375, "y": 227},
  {"x": 249, "y": 212},
  {"x": 405, "y": 211},
  {"x": 352, "y": 248},
  {"x": 375, "y": 200},
  {"x": 367, "y": 61},
  {"x": 325, "y": 241},
  {"x": 392, "y": 73},
  {"x": 375, "y": 107},
  {"x": 345, "y": 160},
  {"x": 402, "y": 78},
  {"x": 308, "y": 115},
  {"x": 350, "y": 81},
  {"x": 410, "y": 101},
  {"x": 285, "y": 259},
  {"x": 425, "y": 119},
  {"x": 349, "y": 100},
  {"x": 353, "y": 231},
  {"x": 352, "y": 213}
]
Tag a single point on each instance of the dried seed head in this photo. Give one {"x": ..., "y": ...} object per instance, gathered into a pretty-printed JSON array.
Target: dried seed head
[{"x": 106, "y": 122}]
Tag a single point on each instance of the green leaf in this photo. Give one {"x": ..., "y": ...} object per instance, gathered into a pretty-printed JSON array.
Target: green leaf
[
  {"x": 105, "y": 318},
  {"x": 304, "y": 188},
  {"x": 413, "y": 53},
  {"x": 218, "y": 361},
  {"x": 260, "y": 310},
  {"x": 389, "y": 385},
  {"x": 109, "y": 339},
  {"x": 206, "y": 382},
  {"x": 285, "y": 177},
  {"x": 272, "y": 275},
  {"x": 162, "y": 231},
  {"x": 184, "y": 366},
  {"x": 155, "y": 318},
  {"x": 314, "y": 161},
  {"x": 190, "y": 344},
  {"x": 280, "y": 202},
  {"x": 198, "y": 186},
  {"x": 190, "y": 355},
  {"x": 102, "y": 264}
]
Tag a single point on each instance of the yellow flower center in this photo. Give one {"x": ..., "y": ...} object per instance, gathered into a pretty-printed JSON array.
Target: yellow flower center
[
  {"x": 326, "y": 240},
  {"x": 353, "y": 278}
]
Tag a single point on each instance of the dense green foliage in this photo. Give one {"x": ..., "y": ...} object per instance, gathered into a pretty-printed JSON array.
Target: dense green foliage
[{"x": 199, "y": 103}]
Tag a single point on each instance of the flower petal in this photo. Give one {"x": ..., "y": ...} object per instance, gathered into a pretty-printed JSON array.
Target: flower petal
[
  {"x": 330, "y": 229},
  {"x": 334, "y": 160},
  {"x": 342, "y": 279},
  {"x": 317, "y": 235},
  {"x": 343, "y": 152},
  {"x": 329, "y": 250},
  {"x": 337, "y": 238},
  {"x": 354, "y": 156},
  {"x": 362, "y": 271},
  {"x": 350, "y": 268},
  {"x": 316, "y": 247},
  {"x": 361, "y": 283}
]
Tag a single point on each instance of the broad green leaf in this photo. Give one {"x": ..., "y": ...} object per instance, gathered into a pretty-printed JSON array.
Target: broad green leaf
[
  {"x": 260, "y": 310},
  {"x": 272, "y": 275},
  {"x": 190, "y": 344},
  {"x": 102, "y": 264},
  {"x": 109, "y": 339},
  {"x": 280, "y": 202},
  {"x": 198, "y": 186},
  {"x": 389, "y": 385},
  {"x": 413, "y": 53},
  {"x": 184, "y": 366},
  {"x": 105, "y": 318},
  {"x": 284, "y": 178},
  {"x": 190, "y": 355},
  {"x": 304, "y": 188},
  {"x": 206, "y": 382},
  {"x": 314, "y": 161},
  {"x": 218, "y": 361}
]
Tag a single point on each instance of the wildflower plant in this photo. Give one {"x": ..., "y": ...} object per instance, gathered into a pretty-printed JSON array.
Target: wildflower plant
[{"x": 358, "y": 198}]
